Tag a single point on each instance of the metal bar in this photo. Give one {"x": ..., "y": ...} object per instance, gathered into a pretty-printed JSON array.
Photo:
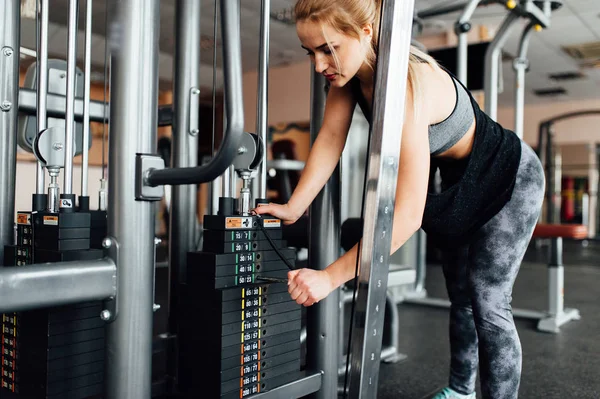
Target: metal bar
[
  {"x": 421, "y": 266},
  {"x": 55, "y": 106},
  {"x": 134, "y": 101},
  {"x": 10, "y": 30},
  {"x": 520, "y": 65},
  {"x": 556, "y": 252},
  {"x": 56, "y": 284},
  {"x": 462, "y": 29},
  {"x": 492, "y": 64},
  {"x": 324, "y": 248},
  {"x": 233, "y": 182},
  {"x": 41, "y": 84},
  {"x": 232, "y": 65},
  {"x": 28, "y": 52},
  {"x": 536, "y": 14},
  {"x": 262, "y": 115},
  {"x": 378, "y": 209},
  {"x": 70, "y": 115},
  {"x": 183, "y": 154},
  {"x": 550, "y": 160},
  {"x": 86, "y": 98},
  {"x": 226, "y": 184},
  {"x": 570, "y": 115},
  {"x": 304, "y": 385}
]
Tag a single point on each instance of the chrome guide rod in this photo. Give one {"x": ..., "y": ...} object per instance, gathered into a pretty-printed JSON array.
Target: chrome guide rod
[
  {"x": 70, "y": 115},
  {"x": 262, "y": 114},
  {"x": 86, "y": 98},
  {"x": 41, "y": 84}
]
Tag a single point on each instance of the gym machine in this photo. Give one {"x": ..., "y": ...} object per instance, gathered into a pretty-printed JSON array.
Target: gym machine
[
  {"x": 546, "y": 152},
  {"x": 110, "y": 291}
]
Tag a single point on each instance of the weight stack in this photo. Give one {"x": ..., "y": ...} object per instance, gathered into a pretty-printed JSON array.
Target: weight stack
[
  {"x": 247, "y": 331},
  {"x": 53, "y": 352}
]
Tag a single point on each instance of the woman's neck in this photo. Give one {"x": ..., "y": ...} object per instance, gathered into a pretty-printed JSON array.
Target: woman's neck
[{"x": 365, "y": 75}]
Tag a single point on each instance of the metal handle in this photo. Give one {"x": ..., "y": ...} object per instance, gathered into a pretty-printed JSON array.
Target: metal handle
[{"x": 234, "y": 108}]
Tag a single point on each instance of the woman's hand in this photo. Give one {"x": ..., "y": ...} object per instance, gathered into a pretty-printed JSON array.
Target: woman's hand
[
  {"x": 283, "y": 212},
  {"x": 308, "y": 286}
]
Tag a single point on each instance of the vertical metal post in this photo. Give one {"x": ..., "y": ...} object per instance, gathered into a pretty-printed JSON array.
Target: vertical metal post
[
  {"x": 135, "y": 27},
  {"x": 462, "y": 28},
  {"x": 550, "y": 166},
  {"x": 86, "y": 98},
  {"x": 421, "y": 264},
  {"x": 520, "y": 65},
  {"x": 492, "y": 65},
  {"x": 262, "y": 116},
  {"x": 70, "y": 111},
  {"x": 184, "y": 153},
  {"x": 233, "y": 182},
  {"x": 42, "y": 83},
  {"x": 225, "y": 179},
  {"x": 378, "y": 209},
  {"x": 322, "y": 339},
  {"x": 10, "y": 30}
]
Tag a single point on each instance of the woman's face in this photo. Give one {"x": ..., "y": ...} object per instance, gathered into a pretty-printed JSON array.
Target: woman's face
[{"x": 351, "y": 52}]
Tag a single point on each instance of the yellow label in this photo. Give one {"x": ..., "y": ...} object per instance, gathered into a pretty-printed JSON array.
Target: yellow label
[
  {"x": 233, "y": 223},
  {"x": 272, "y": 222},
  {"x": 23, "y": 218},
  {"x": 51, "y": 220}
]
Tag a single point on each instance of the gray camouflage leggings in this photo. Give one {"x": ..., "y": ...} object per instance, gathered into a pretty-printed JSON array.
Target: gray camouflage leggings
[{"x": 479, "y": 280}]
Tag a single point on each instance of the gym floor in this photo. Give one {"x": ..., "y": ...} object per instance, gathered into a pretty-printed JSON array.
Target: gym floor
[{"x": 563, "y": 365}]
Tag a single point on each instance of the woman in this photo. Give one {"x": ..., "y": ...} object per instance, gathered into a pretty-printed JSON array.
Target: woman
[{"x": 490, "y": 199}]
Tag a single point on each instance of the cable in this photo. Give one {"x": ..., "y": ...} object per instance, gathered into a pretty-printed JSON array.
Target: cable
[{"x": 264, "y": 230}]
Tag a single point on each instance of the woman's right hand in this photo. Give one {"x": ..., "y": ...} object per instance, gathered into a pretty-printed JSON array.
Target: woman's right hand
[{"x": 283, "y": 212}]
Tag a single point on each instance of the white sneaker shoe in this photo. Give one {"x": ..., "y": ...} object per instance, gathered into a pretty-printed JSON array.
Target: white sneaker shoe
[{"x": 449, "y": 393}]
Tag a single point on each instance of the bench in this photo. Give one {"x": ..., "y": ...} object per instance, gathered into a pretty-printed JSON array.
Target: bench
[{"x": 557, "y": 314}]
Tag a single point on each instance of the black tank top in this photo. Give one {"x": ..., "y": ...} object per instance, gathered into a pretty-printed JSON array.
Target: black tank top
[{"x": 473, "y": 189}]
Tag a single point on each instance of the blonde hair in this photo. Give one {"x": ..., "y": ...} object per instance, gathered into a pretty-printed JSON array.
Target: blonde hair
[{"x": 349, "y": 17}]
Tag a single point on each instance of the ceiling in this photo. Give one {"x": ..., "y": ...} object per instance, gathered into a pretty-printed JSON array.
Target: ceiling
[{"x": 577, "y": 21}]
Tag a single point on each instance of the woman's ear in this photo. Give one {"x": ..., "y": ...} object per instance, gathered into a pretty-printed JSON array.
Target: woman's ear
[{"x": 368, "y": 30}]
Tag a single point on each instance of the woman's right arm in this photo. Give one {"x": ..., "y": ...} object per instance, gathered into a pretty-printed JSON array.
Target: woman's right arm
[{"x": 323, "y": 157}]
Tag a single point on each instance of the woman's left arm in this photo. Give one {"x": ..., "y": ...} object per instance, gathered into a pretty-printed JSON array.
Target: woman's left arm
[{"x": 308, "y": 286}]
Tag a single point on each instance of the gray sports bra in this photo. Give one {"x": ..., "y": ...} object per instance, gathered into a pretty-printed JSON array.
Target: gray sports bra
[
  {"x": 442, "y": 135},
  {"x": 445, "y": 134}
]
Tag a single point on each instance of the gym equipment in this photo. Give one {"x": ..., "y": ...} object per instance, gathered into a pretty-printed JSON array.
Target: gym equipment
[
  {"x": 57, "y": 85},
  {"x": 122, "y": 279},
  {"x": 546, "y": 153},
  {"x": 235, "y": 282},
  {"x": 55, "y": 350},
  {"x": 557, "y": 314}
]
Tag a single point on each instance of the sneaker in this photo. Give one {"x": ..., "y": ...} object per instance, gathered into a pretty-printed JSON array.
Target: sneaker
[{"x": 449, "y": 393}]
